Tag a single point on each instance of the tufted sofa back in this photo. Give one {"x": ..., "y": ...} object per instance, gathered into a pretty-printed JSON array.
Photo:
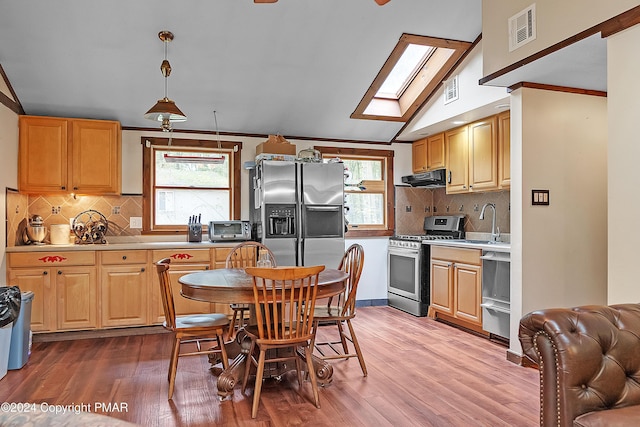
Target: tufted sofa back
[{"x": 589, "y": 359}]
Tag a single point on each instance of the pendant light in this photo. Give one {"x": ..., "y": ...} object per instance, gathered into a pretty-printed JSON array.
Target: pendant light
[{"x": 165, "y": 111}]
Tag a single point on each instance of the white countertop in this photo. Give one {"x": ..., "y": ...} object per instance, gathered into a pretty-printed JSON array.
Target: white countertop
[
  {"x": 472, "y": 244},
  {"x": 154, "y": 245}
]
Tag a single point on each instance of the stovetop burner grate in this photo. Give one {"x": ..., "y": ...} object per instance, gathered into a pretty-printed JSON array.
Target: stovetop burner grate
[{"x": 420, "y": 237}]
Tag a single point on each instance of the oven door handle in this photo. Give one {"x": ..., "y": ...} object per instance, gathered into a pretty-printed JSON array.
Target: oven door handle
[{"x": 404, "y": 252}]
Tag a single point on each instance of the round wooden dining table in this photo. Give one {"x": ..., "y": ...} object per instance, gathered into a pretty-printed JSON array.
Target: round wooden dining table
[{"x": 233, "y": 285}]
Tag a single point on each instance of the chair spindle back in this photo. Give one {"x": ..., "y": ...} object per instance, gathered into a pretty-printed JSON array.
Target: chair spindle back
[{"x": 287, "y": 296}]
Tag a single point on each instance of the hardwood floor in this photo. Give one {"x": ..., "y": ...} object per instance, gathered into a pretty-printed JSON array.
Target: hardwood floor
[{"x": 421, "y": 373}]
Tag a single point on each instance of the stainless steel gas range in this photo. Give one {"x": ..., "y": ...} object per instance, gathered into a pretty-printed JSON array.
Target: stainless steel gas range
[{"x": 408, "y": 263}]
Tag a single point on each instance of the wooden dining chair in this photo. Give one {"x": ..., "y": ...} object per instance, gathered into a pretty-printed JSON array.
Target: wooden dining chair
[
  {"x": 340, "y": 310},
  {"x": 287, "y": 297},
  {"x": 195, "y": 328},
  {"x": 244, "y": 255}
]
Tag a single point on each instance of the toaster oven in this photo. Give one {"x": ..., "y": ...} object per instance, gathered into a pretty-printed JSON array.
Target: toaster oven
[{"x": 228, "y": 231}]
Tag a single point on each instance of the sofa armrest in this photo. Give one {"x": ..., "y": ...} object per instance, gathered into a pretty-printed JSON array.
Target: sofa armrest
[{"x": 588, "y": 358}]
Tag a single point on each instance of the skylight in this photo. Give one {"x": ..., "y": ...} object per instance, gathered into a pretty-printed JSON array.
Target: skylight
[
  {"x": 412, "y": 60},
  {"x": 414, "y": 70}
]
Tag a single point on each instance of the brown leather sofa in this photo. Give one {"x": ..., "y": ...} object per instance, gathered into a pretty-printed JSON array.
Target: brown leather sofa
[{"x": 589, "y": 362}]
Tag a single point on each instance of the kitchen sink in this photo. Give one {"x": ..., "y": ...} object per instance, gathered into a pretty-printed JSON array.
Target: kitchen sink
[{"x": 480, "y": 242}]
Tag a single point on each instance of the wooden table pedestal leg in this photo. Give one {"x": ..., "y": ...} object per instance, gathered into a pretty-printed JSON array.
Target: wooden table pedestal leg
[
  {"x": 228, "y": 379},
  {"x": 322, "y": 368}
]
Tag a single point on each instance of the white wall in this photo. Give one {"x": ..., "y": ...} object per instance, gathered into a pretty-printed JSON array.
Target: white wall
[
  {"x": 9, "y": 169},
  {"x": 438, "y": 116},
  {"x": 624, "y": 173},
  {"x": 373, "y": 282},
  {"x": 559, "y": 252},
  {"x": 556, "y": 21}
]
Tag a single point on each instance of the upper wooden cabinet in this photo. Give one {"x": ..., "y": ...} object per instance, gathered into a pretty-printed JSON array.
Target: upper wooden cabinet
[
  {"x": 483, "y": 155},
  {"x": 471, "y": 155},
  {"x": 435, "y": 151},
  {"x": 457, "y": 160},
  {"x": 428, "y": 153},
  {"x": 419, "y": 155},
  {"x": 504, "y": 149},
  {"x": 59, "y": 155}
]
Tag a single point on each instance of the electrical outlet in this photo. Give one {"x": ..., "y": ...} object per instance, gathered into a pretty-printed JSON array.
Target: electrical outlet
[{"x": 135, "y": 222}]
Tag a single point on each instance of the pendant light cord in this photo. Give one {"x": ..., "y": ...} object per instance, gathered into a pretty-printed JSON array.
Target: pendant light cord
[{"x": 215, "y": 119}]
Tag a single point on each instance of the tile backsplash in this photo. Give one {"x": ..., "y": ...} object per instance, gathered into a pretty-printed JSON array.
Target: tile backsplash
[
  {"x": 413, "y": 204},
  {"x": 61, "y": 209}
]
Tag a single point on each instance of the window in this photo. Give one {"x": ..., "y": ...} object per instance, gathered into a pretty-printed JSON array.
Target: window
[
  {"x": 368, "y": 189},
  {"x": 413, "y": 71},
  {"x": 189, "y": 178}
]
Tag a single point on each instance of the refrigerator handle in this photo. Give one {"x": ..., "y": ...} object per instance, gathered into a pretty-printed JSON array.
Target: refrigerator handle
[{"x": 323, "y": 208}]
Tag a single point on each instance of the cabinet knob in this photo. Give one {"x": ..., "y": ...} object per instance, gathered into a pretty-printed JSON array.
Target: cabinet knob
[
  {"x": 124, "y": 257},
  {"x": 59, "y": 272},
  {"x": 64, "y": 188},
  {"x": 142, "y": 269},
  {"x": 44, "y": 273},
  {"x": 75, "y": 188}
]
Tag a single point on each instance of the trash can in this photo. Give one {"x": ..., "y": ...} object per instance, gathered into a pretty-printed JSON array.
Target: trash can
[
  {"x": 21, "y": 334},
  {"x": 9, "y": 311},
  {"x": 5, "y": 341}
]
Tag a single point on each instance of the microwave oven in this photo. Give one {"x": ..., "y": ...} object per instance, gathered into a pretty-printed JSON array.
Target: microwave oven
[{"x": 226, "y": 231}]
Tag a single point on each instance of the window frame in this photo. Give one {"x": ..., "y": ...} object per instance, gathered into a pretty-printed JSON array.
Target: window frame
[
  {"x": 422, "y": 85},
  {"x": 387, "y": 171},
  {"x": 234, "y": 149}
]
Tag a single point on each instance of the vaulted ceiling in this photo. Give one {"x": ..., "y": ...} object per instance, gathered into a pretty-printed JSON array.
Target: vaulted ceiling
[{"x": 296, "y": 67}]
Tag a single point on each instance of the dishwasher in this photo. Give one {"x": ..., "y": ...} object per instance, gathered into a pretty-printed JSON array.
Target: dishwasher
[{"x": 496, "y": 299}]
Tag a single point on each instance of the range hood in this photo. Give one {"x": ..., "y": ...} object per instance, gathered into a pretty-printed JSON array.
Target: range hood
[{"x": 434, "y": 178}]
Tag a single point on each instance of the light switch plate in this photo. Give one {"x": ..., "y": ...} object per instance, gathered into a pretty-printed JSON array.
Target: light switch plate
[
  {"x": 135, "y": 222},
  {"x": 540, "y": 197}
]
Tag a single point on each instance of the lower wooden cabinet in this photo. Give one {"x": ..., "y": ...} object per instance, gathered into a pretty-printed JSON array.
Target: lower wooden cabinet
[
  {"x": 43, "y": 305},
  {"x": 64, "y": 286},
  {"x": 456, "y": 285},
  {"x": 124, "y": 288},
  {"x": 183, "y": 261},
  {"x": 80, "y": 290},
  {"x": 76, "y": 295}
]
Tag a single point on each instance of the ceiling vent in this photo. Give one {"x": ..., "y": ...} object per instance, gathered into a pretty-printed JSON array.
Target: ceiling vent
[
  {"x": 522, "y": 28},
  {"x": 451, "y": 90}
]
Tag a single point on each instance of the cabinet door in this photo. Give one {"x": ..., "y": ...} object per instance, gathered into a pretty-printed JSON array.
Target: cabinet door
[
  {"x": 483, "y": 155},
  {"x": 42, "y": 164},
  {"x": 435, "y": 151},
  {"x": 43, "y": 308},
  {"x": 504, "y": 149},
  {"x": 441, "y": 286},
  {"x": 457, "y": 160},
  {"x": 124, "y": 295},
  {"x": 219, "y": 257},
  {"x": 182, "y": 305},
  {"x": 77, "y": 297},
  {"x": 96, "y": 157},
  {"x": 468, "y": 292},
  {"x": 218, "y": 260},
  {"x": 419, "y": 155}
]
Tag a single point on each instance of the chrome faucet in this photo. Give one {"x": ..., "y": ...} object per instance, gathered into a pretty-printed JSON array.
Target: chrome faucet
[{"x": 495, "y": 231}]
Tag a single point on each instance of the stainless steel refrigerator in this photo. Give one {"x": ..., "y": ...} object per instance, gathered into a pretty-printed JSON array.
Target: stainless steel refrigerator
[{"x": 297, "y": 211}]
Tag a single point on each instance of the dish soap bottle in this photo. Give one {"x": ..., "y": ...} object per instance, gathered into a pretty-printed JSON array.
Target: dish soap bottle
[{"x": 263, "y": 259}]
